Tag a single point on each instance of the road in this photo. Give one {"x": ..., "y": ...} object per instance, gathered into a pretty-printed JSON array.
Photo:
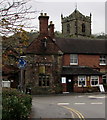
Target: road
[{"x": 69, "y": 106}]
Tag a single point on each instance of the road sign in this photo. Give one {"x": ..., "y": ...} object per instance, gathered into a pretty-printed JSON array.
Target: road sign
[{"x": 21, "y": 63}]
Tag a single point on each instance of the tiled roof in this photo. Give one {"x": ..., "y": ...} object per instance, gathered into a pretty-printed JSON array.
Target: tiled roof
[
  {"x": 84, "y": 46},
  {"x": 79, "y": 70},
  {"x": 36, "y": 47}
]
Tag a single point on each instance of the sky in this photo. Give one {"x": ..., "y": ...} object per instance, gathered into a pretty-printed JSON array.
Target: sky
[{"x": 54, "y": 9}]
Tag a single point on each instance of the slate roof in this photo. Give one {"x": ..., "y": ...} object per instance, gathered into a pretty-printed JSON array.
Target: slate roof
[
  {"x": 79, "y": 70},
  {"x": 82, "y": 46}
]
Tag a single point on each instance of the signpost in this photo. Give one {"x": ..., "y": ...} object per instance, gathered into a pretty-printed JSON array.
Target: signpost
[
  {"x": 101, "y": 88},
  {"x": 21, "y": 65}
]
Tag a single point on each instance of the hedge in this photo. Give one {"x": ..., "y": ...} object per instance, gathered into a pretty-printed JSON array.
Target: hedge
[{"x": 15, "y": 105}]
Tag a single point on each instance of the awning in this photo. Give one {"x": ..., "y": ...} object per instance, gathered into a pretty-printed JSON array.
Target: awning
[{"x": 79, "y": 70}]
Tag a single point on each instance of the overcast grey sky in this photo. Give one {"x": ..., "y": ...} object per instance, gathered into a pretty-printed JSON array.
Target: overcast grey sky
[{"x": 54, "y": 8}]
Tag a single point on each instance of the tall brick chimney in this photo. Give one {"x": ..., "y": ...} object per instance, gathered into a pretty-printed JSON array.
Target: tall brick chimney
[
  {"x": 43, "y": 24},
  {"x": 51, "y": 30}
]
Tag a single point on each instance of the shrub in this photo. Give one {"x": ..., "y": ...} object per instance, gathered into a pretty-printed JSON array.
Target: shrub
[{"x": 16, "y": 105}]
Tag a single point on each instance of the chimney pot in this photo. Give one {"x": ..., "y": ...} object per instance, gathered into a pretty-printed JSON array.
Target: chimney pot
[
  {"x": 45, "y": 14},
  {"x": 41, "y": 14},
  {"x": 50, "y": 22}
]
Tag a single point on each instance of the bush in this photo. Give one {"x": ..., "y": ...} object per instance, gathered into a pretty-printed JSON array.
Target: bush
[{"x": 16, "y": 105}]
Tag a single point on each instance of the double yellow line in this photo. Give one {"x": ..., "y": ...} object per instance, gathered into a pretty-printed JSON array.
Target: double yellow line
[{"x": 79, "y": 115}]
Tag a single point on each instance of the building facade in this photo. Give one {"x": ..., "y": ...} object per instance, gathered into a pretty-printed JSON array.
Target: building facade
[
  {"x": 64, "y": 64},
  {"x": 84, "y": 64},
  {"x": 44, "y": 58}
]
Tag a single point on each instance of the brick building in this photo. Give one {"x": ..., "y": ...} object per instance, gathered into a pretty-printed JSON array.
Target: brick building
[
  {"x": 77, "y": 64},
  {"x": 84, "y": 63},
  {"x": 44, "y": 58}
]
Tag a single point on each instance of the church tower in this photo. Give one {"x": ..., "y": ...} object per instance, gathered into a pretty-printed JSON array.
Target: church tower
[{"x": 76, "y": 24}]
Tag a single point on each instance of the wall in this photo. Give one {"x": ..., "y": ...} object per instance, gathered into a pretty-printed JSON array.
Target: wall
[
  {"x": 83, "y": 60},
  {"x": 89, "y": 60}
]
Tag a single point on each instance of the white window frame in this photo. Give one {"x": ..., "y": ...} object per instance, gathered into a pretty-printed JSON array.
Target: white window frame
[
  {"x": 73, "y": 57},
  {"x": 104, "y": 78},
  {"x": 79, "y": 77},
  {"x": 94, "y": 78},
  {"x": 103, "y": 60}
]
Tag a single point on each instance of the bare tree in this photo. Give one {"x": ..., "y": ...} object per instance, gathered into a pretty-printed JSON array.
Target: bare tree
[{"x": 14, "y": 16}]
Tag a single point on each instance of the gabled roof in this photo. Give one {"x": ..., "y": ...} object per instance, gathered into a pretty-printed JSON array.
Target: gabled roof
[
  {"x": 79, "y": 70},
  {"x": 82, "y": 46},
  {"x": 36, "y": 47}
]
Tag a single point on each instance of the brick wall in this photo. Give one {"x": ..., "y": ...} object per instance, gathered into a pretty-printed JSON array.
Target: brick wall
[
  {"x": 89, "y": 60},
  {"x": 66, "y": 60}
]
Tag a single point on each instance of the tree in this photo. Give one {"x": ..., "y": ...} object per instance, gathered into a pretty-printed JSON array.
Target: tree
[{"x": 14, "y": 16}]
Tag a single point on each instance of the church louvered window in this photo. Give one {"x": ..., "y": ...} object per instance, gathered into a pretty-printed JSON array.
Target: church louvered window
[
  {"x": 83, "y": 27},
  {"x": 68, "y": 28}
]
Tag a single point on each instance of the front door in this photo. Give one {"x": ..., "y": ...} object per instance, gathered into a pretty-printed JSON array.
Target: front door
[{"x": 69, "y": 82}]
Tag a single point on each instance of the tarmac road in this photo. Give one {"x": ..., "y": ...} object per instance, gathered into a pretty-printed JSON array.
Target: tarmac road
[{"x": 80, "y": 106}]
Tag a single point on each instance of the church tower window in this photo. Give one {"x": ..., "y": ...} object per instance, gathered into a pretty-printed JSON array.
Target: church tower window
[
  {"x": 83, "y": 27},
  {"x": 68, "y": 28}
]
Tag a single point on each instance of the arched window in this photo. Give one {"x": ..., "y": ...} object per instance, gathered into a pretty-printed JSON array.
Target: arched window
[
  {"x": 83, "y": 27},
  {"x": 68, "y": 28}
]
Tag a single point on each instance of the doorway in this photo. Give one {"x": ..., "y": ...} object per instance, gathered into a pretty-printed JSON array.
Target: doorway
[{"x": 70, "y": 83}]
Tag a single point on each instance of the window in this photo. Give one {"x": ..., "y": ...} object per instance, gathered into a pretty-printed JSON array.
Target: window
[
  {"x": 81, "y": 81},
  {"x": 104, "y": 78},
  {"x": 73, "y": 59},
  {"x": 83, "y": 27},
  {"x": 102, "y": 60},
  {"x": 94, "y": 80},
  {"x": 68, "y": 28},
  {"x": 44, "y": 80}
]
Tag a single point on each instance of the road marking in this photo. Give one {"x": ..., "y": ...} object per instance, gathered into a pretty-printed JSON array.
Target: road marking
[
  {"x": 62, "y": 103},
  {"x": 79, "y": 103},
  {"x": 96, "y": 96},
  {"x": 101, "y": 97},
  {"x": 80, "y": 116},
  {"x": 80, "y": 96},
  {"x": 91, "y": 96},
  {"x": 98, "y": 103}
]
